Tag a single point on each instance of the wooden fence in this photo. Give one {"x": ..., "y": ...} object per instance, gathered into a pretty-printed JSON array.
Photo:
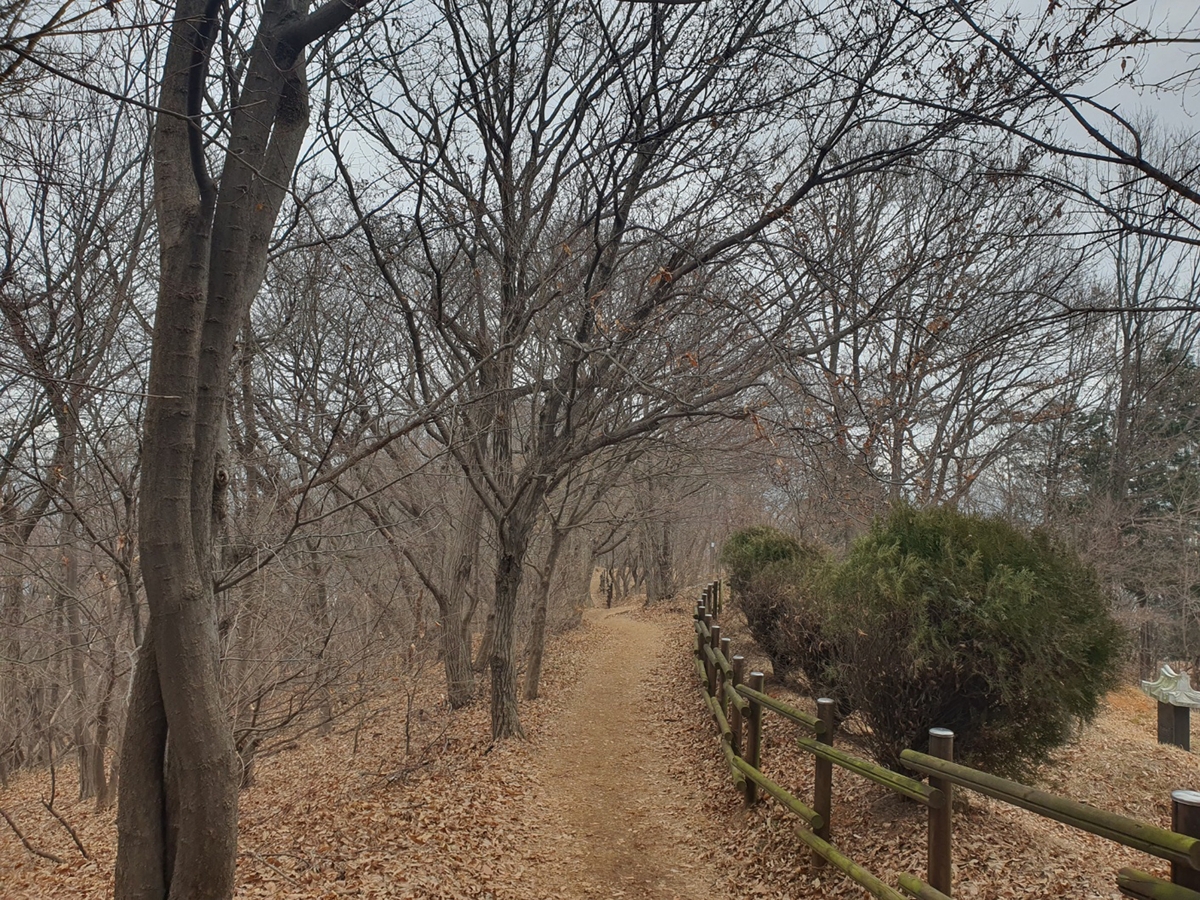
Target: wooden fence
[{"x": 737, "y": 703}]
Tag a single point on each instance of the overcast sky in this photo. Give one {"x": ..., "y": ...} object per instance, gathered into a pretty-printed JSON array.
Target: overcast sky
[{"x": 1166, "y": 64}]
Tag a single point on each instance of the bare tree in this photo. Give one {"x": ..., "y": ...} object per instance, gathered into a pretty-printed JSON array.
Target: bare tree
[
  {"x": 1134, "y": 481},
  {"x": 75, "y": 225},
  {"x": 563, "y": 187},
  {"x": 945, "y": 287},
  {"x": 25, "y": 28},
  {"x": 350, "y": 368},
  {"x": 561, "y": 231},
  {"x": 532, "y": 306},
  {"x": 177, "y": 820},
  {"x": 1072, "y": 62}
]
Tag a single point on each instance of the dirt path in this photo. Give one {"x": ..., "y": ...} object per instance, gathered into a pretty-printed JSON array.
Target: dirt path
[{"x": 619, "y": 820}]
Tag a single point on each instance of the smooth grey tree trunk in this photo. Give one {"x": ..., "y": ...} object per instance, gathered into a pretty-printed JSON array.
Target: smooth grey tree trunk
[{"x": 177, "y": 820}]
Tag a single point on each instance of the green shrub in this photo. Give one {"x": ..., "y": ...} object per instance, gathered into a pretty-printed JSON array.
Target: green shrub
[
  {"x": 773, "y": 576},
  {"x": 748, "y": 553},
  {"x": 957, "y": 621}
]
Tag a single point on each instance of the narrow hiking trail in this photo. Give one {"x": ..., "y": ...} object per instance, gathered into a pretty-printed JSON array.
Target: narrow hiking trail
[
  {"x": 618, "y": 819},
  {"x": 611, "y": 796}
]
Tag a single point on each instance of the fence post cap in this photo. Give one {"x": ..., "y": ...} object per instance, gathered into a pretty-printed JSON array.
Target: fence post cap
[
  {"x": 824, "y": 701},
  {"x": 1186, "y": 798},
  {"x": 940, "y": 732},
  {"x": 738, "y": 655}
]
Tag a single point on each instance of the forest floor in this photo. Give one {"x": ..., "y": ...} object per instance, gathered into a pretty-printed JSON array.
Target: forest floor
[{"x": 619, "y": 791}]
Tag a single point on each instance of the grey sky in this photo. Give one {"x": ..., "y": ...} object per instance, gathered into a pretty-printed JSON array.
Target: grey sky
[{"x": 1168, "y": 72}]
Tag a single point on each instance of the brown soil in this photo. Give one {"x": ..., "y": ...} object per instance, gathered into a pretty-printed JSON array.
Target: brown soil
[{"x": 620, "y": 822}]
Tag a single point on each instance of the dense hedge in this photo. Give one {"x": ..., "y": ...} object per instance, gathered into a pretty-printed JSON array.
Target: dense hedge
[
  {"x": 771, "y": 575},
  {"x": 938, "y": 618}
]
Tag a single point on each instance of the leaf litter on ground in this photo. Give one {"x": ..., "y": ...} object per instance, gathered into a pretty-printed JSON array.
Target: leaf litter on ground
[{"x": 461, "y": 817}]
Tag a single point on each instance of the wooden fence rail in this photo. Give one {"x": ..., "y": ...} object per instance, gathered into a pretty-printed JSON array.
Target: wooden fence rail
[{"x": 737, "y": 702}]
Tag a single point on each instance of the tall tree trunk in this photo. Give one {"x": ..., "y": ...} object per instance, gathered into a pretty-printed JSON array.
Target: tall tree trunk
[
  {"x": 91, "y": 761},
  {"x": 1125, "y": 411},
  {"x": 660, "y": 575},
  {"x": 456, "y": 659},
  {"x": 510, "y": 569},
  {"x": 241, "y": 641},
  {"x": 483, "y": 656},
  {"x": 537, "y": 635},
  {"x": 513, "y": 532},
  {"x": 12, "y": 680},
  {"x": 105, "y": 786},
  {"x": 177, "y": 829},
  {"x": 453, "y": 607},
  {"x": 81, "y": 734},
  {"x": 141, "y": 872},
  {"x": 320, "y": 617}
]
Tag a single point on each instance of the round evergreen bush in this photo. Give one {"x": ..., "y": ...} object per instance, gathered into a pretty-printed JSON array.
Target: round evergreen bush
[
  {"x": 748, "y": 553},
  {"x": 944, "y": 619},
  {"x": 772, "y": 576}
]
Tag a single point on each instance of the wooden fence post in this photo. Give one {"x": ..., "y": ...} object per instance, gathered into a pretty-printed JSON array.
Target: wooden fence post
[
  {"x": 754, "y": 737},
  {"x": 823, "y": 776},
  {"x": 938, "y": 862},
  {"x": 708, "y": 667},
  {"x": 727, "y": 652},
  {"x": 1185, "y": 819},
  {"x": 717, "y": 675},
  {"x": 735, "y": 712}
]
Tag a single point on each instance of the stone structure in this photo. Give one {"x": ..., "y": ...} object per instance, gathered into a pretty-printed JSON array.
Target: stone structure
[{"x": 1173, "y": 691}]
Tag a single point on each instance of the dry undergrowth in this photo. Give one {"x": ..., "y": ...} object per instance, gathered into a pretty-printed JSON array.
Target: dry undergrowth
[
  {"x": 999, "y": 851},
  {"x": 324, "y": 821},
  {"x": 460, "y": 817}
]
